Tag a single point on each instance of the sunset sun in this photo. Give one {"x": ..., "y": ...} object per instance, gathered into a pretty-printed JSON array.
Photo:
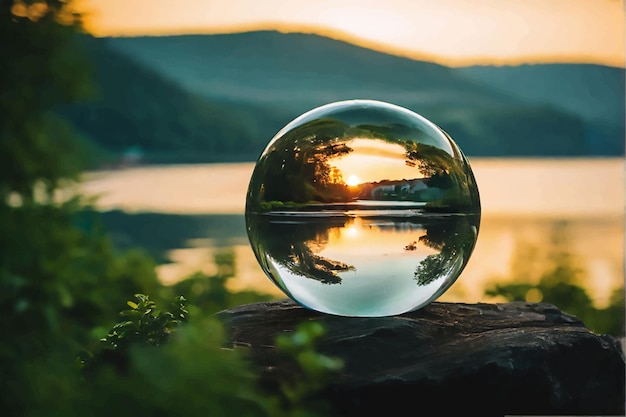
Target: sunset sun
[{"x": 353, "y": 180}]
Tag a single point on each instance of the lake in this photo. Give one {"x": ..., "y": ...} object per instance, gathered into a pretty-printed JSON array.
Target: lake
[{"x": 533, "y": 210}]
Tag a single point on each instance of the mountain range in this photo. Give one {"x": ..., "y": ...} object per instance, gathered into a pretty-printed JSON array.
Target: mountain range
[{"x": 202, "y": 98}]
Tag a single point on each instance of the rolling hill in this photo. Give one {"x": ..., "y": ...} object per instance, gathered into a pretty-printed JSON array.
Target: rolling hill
[
  {"x": 222, "y": 97},
  {"x": 298, "y": 69},
  {"x": 593, "y": 92},
  {"x": 134, "y": 107}
]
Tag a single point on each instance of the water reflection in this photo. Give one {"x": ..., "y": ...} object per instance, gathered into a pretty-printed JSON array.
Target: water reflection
[
  {"x": 368, "y": 265},
  {"x": 510, "y": 258},
  {"x": 550, "y": 273},
  {"x": 453, "y": 238}
]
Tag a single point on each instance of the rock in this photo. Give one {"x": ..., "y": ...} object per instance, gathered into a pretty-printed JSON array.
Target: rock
[{"x": 489, "y": 359}]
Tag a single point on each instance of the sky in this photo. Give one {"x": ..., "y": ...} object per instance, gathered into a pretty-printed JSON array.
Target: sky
[{"x": 451, "y": 32}]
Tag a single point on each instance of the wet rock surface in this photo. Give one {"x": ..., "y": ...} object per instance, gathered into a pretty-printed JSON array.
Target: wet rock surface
[{"x": 490, "y": 359}]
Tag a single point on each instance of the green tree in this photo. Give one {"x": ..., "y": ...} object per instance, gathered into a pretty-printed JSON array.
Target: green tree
[
  {"x": 40, "y": 67},
  {"x": 61, "y": 279}
]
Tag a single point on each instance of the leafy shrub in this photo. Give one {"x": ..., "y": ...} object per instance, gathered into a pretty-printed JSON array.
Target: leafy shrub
[{"x": 170, "y": 363}]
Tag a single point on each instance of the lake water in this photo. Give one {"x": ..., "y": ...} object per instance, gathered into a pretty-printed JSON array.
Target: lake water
[{"x": 532, "y": 210}]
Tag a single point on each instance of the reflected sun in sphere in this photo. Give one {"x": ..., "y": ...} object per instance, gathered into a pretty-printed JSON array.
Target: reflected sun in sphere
[
  {"x": 362, "y": 208},
  {"x": 353, "y": 180}
]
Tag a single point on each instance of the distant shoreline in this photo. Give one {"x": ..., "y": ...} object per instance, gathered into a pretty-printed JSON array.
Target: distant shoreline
[
  {"x": 150, "y": 162},
  {"x": 540, "y": 187}
]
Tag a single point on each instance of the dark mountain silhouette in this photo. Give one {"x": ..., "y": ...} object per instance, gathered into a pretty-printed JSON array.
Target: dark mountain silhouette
[
  {"x": 301, "y": 69},
  {"x": 218, "y": 97},
  {"x": 593, "y": 92},
  {"x": 136, "y": 108}
]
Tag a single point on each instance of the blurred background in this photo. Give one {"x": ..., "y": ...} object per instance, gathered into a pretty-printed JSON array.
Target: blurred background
[{"x": 159, "y": 109}]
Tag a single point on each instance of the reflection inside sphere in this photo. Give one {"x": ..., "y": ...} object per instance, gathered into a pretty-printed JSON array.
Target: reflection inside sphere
[{"x": 362, "y": 208}]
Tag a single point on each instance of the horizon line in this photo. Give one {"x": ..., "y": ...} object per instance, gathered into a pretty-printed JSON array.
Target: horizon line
[{"x": 382, "y": 47}]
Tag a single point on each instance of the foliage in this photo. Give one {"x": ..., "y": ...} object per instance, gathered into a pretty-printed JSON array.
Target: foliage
[
  {"x": 57, "y": 282},
  {"x": 557, "y": 283},
  {"x": 191, "y": 373},
  {"x": 315, "y": 368},
  {"x": 60, "y": 280},
  {"x": 144, "y": 323},
  {"x": 572, "y": 299},
  {"x": 192, "y": 353},
  {"x": 36, "y": 147}
]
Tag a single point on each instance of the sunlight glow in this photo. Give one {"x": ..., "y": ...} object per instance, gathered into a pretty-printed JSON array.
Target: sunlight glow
[
  {"x": 372, "y": 161},
  {"x": 353, "y": 180},
  {"x": 351, "y": 231},
  {"x": 452, "y": 32}
]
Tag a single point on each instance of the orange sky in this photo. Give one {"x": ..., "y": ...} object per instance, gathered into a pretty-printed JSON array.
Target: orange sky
[
  {"x": 453, "y": 32},
  {"x": 374, "y": 160}
]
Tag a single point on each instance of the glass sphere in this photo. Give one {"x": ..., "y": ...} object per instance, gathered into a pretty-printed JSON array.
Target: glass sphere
[{"x": 362, "y": 208}]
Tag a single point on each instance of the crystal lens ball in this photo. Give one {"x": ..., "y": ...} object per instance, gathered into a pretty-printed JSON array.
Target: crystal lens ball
[{"x": 362, "y": 208}]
